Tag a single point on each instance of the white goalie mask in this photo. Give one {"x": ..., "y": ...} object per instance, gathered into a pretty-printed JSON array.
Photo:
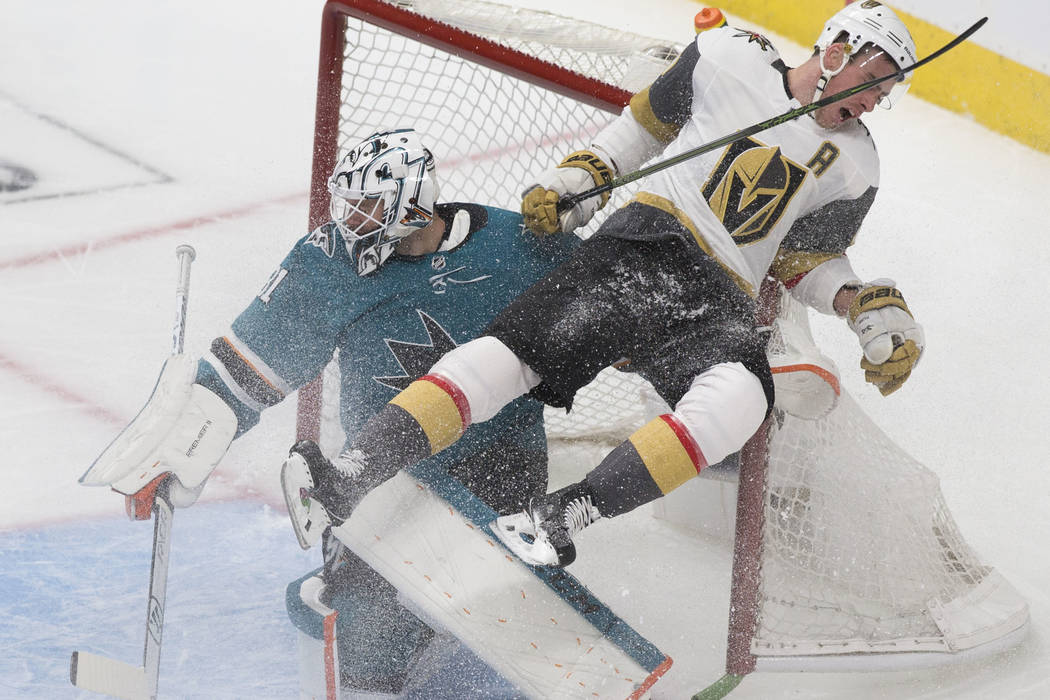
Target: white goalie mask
[
  {"x": 382, "y": 190},
  {"x": 868, "y": 22}
]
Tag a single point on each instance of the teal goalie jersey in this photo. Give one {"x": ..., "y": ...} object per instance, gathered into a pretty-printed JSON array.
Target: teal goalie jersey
[{"x": 387, "y": 328}]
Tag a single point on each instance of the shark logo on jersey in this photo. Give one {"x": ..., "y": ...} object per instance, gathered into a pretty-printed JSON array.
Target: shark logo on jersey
[
  {"x": 416, "y": 359},
  {"x": 751, "y": 187},
  {"x": 323, "y": 237}
]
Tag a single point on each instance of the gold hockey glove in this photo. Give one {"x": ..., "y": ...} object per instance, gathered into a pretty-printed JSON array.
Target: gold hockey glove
[
  {"x": 579, "y": 171},
  {"x": 889, "y": 336}
]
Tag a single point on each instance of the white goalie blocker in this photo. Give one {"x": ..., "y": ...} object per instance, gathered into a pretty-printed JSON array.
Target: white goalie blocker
[{"x": 541, "y": 630}]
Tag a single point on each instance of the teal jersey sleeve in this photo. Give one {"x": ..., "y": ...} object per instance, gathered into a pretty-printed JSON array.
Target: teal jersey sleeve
[{"x": 287, "y": 334}]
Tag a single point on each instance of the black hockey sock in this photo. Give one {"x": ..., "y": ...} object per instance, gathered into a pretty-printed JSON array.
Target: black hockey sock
[
  {"x": 392, "y": 440},
  {"x": 621, "y": 482}
]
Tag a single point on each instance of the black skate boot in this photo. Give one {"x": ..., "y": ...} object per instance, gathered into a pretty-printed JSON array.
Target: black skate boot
[
  {"x": 319, "y": 493},
  {"x": 542, "y": 536}
]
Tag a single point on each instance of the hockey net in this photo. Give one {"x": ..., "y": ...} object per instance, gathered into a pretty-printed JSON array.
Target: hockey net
[
  {"x": 846, "y": 554},
  {"x": 859, "y": 564}
]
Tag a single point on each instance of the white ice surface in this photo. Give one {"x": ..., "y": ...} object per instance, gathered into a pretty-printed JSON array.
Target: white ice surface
[{"x": 170, "y": 122}]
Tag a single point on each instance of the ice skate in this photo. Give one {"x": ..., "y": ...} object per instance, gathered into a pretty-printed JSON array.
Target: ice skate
[
  {"x": 318, "y": 492},
  {"x": 542, "y": 536}
]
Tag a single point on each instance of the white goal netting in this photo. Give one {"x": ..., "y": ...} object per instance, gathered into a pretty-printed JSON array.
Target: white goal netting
[
  {"x": 860, "y": 553},
  {"x": 490, "y": 130}
]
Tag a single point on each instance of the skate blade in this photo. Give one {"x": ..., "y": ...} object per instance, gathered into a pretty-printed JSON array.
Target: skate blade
[
  {"x": 308, "y": 516},
  {"x": 518, "y": 534}
]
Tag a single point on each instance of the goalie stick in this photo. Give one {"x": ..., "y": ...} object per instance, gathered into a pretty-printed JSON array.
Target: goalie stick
[
  {"x": 102, "y": 674},
  {"x": 569, "y": 201}
]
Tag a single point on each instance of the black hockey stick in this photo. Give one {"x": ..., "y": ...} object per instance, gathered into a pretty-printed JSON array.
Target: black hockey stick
[
  {"x": 102, "y": 674},
  {"x": 569, "y": 201}
]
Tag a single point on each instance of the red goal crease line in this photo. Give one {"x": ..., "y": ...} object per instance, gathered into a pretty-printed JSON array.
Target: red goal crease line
[{"x": 51, "y": 387}]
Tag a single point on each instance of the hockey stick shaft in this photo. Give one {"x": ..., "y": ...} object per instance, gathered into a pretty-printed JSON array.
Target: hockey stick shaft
[
  {"x": 569, "y": 201},
  {"x": 186, "y": 255},
  {"x": 163, "y": 511},
  {"x": 109, "y": 676}
]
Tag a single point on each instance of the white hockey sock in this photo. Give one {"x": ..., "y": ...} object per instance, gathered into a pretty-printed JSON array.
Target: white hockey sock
[{"x": 488, "y": 374}]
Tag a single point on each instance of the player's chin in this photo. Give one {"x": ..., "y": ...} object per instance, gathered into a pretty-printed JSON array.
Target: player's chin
[{"x": 832, "y": 117}]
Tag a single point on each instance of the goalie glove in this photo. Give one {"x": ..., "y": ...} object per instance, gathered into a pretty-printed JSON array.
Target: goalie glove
[
  {"x": 580, "y": 171},
  {"x": 184, "y": 429},
  {"x": 889, "y": 336}
]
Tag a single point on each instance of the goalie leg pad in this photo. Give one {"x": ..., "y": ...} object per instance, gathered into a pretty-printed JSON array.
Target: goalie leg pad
[{"x": 378, "y": 638}]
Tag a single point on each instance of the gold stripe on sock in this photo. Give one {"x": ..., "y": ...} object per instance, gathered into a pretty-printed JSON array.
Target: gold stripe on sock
[
  {"x": 663, "y": 454},
  {"x": 435, "y": 411}
]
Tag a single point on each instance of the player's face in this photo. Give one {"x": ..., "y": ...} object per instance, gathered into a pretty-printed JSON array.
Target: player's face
[
  {"x": 866, "y": 66},
  {"x": 360, "y": 216}
]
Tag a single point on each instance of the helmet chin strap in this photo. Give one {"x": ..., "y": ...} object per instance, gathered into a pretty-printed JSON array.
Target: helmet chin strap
[{"x": 827, "y": 74}]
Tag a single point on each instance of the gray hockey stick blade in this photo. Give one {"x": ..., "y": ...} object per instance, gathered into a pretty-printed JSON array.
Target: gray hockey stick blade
[{"x": 101, "y": 674}]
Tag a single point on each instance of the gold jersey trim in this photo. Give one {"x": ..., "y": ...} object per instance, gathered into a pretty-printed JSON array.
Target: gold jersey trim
[
  {"x": 642, "y": 111},
  {"x": 667, "y": 206},
  {"x": 790, "y": 264}
]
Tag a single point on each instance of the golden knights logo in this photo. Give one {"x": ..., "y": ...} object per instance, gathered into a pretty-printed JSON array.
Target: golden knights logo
[
  {"x": 751, "y": 187},
  {"x": 754, "y": 38}
]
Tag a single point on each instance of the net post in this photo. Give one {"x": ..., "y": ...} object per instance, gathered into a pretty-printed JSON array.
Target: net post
[
  {"x": 326, "y": 145},
  {"x": 747, "y": 553},
  {"x": 750, "y": 517}
]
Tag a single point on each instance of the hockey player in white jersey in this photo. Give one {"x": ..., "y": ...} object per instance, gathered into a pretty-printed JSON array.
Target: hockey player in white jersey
[
  {"x": 669, "y": 280},
  {"x": 395, "y": 280}
]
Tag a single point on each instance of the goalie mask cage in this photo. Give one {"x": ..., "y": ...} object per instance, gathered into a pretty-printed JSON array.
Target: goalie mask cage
[{"x": 846, "y": 556}]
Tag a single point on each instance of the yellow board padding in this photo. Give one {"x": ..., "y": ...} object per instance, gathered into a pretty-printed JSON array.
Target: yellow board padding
[
  {"x": 667, "y": 461},
  {"x": 434, "y": 410},
  {"x": 997, "y": 92}
]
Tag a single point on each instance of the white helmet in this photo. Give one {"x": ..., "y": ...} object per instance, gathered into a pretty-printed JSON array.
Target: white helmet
[
  {"x": 869, "y": 22},
  {"x": 382, "y": 190}
]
